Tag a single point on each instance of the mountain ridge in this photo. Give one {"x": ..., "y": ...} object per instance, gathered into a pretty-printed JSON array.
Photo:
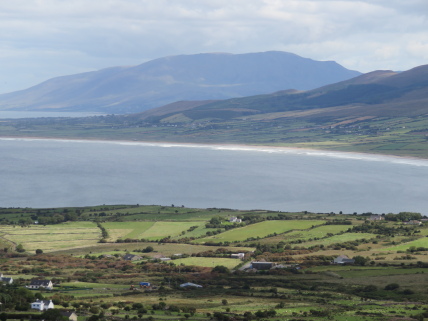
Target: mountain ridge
[{"x": 177, "y": 78}]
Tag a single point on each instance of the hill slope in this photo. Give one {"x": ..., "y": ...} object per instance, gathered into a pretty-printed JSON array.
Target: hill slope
[
  {"x": 379, "y": 93},
  {"x": 170, "y": 79}
]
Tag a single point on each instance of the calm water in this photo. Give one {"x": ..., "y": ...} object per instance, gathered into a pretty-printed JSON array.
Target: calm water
[
  {"x": 51, "y": 173},
  {"x": 41, "y": 114}
]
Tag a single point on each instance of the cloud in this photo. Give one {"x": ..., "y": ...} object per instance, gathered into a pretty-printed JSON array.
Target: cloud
[{"x": 47, "y": 38}]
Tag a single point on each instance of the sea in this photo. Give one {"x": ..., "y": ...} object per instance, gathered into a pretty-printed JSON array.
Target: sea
[{"x": 44, "y": 173}]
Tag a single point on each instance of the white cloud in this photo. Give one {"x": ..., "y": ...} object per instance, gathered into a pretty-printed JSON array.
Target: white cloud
[{"x": 46, "y": 38}]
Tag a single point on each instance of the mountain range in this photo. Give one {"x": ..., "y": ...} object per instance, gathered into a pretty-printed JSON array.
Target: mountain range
[
  {"x": 378, "y": 93},
  {"x": 210, "y": 76}
]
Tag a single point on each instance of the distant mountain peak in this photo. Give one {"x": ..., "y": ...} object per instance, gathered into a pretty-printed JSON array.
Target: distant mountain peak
[{"x": 203, "y": 76}]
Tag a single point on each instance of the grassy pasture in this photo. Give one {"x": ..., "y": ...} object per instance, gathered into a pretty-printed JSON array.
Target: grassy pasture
[
  {"x": 208, "y": 261},
  {"x": 347, "y": 237},
  {"x": 166, "y": 249},
  {"x": 260, "y": 230},
  {"x": 146, "y": 230},
  {"x": 317, "y": 232},
  {"x": 168, "y": 213},
  {"x": 422, "y": 242},
  {"x": 53, "y": 237}
]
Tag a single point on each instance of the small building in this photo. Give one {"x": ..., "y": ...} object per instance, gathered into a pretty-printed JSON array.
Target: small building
[
  {"x": 239, "y": 256},
  {"x": 190, "y": 285},
  {"x": 163, "y": 259},
  {"x": 40, "y": 284},
  {"x": 42, "y": 305},
  {"x": 262, "y": 265},
  {"x": 131, "y": 257},
  {"x": 5, "y": 280},
  {"x": 234, "y": 219},
  {"x": 376, "y": 217},
  {"x": 413, "y": 222},
  {"x": 71, "y": 315},
  {"x": 343, "y": 259}
]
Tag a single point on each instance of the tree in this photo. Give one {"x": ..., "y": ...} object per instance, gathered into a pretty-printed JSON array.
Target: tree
[
  {"x": 148, "y": 249},
  {"x": 53, "y": 315},
  {"x": 360, "y": 260},
  {"x": 20, "y": 248},
  {"x": 392, "y": 286},
  {"x": 224, "y": 302},
  {"x": 39, "y": 251},
  {"x": 220, "y": 269}
]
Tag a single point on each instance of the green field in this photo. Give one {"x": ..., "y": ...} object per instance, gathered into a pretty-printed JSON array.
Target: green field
[
  {"x": 53, "y": 237},
  {"x": 422, "y": 242},
  {"x": 146, "y": 230},
  {"x": 260, "y": 230},
  {"x": 347, "y": 237},
  {"x": 208, "y": 261},
  {"x": 307, "y": 235}
]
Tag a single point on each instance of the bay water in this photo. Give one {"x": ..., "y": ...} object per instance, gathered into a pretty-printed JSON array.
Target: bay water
[{"x": 58, "y": 173}]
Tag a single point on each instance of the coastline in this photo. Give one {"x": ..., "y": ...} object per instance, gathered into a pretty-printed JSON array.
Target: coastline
[{"x": 228, "y": 146}]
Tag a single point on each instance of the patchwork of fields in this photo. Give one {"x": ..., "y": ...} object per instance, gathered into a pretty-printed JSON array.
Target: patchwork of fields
[
  {"x": 53, "y": 237},
  {"x": 261, "y": 230},
  {"x": 307, "y": 235},
  {"x": 152, "y": 231}
]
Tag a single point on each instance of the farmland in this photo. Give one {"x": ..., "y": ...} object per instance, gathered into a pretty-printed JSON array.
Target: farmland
[
  {"x": 261, "y": 230},
  {"x": 52, "y": 237},
  {"x": 83, "y": 255},
  {"x": 147, "y": 230}
]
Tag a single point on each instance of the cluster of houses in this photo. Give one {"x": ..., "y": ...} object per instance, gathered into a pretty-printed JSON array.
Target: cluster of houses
[
  {"x": 134, "y": 257},
  {"x": 261, "y": 265},
  {"x": 378, "y": 217},
  {"x": 43, "y": 305}
]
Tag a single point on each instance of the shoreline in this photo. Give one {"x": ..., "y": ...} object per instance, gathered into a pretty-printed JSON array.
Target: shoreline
[{"x": 225, "y": 146}]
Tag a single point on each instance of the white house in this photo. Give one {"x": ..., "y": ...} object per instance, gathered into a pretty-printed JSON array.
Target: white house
[
  {"x": 40, "y": 284},
  {"x": 234, "y": 219},
  {"x": 190, "y": 285},
  {"x": 239, "y": 256},
  {"x": 5, "y": 280},
  {"x": 343, "y": 259},
  {"x": 42, "y": 305}
]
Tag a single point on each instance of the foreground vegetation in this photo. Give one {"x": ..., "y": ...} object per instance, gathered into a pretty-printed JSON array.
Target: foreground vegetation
[{"x": 81, "y": 250}]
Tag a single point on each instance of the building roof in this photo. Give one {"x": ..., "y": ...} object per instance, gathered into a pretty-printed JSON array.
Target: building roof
[
  {"x": 189, "y": 284},
  {"x": 45, "y": 302},
  {"x": 40, "y": 282},
  {"x": 131, "y": 257},
  {"x": 7, "y": 280},
  {"x": 67, "y": 313}
]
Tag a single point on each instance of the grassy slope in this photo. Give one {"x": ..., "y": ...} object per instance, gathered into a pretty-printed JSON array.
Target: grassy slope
[{"x": 260, "y": 230}]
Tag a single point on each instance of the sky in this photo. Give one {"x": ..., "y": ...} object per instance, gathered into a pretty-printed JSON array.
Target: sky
[{"x": 42, "y": 39}]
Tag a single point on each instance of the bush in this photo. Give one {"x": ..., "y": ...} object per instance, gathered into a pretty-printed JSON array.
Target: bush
[{"x": 391, "y": 286}]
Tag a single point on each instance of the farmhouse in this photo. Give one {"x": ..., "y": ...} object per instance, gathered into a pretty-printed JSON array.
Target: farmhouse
[
  {"x": 131, "y": 257},
  {"x": 262, "y": 265},
  {"x": 37, "y": 284},
  {"x": 413, "y": 222},
  {"x": 71, "y": 315},
  {"x": 42, "y": 305},
  {"x": 376, "y": 217},
  {"x": 237, "y": 256},
  {"x": 190, "y": 285},
  {"x": 343, "y": 259},
  {"x": 234, "y": 219},
  {"x": 5, "y": 280}
]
